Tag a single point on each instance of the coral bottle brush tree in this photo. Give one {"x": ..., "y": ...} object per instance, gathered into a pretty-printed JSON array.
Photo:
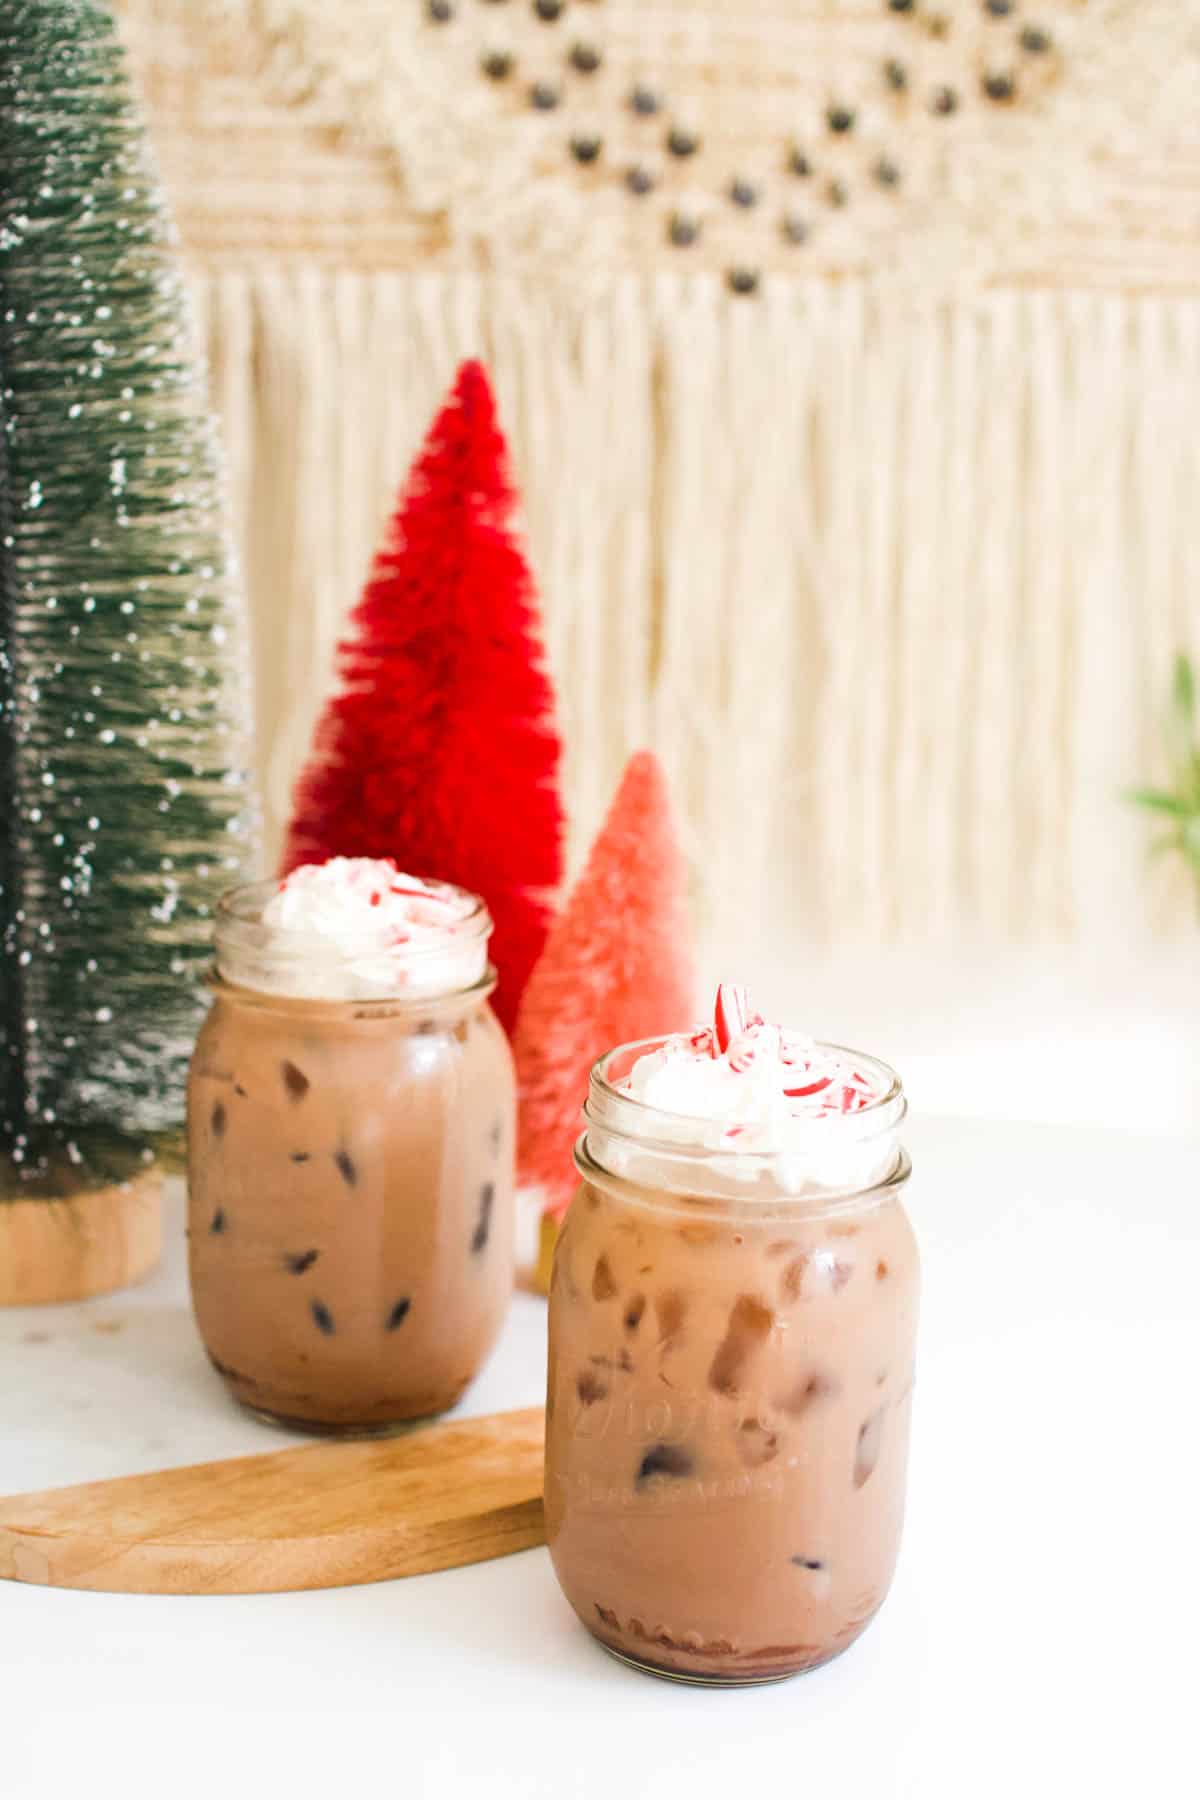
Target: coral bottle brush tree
[
  {"x": 440, "y": 748},
  {"x": 123, "y": 700},
  {"x": 618, "y": 966}
]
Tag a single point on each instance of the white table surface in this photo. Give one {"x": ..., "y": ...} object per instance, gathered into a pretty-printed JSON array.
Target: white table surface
[{"x": 1039, "y": 1640}]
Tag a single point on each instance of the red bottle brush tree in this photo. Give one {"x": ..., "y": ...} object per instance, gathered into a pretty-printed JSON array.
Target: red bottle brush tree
[
  {"x": 617, "y": 967},
  {"x": 440, "y": 747}
]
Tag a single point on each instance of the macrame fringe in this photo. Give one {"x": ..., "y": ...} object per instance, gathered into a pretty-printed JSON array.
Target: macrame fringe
[{"x": 894, "y": 599}]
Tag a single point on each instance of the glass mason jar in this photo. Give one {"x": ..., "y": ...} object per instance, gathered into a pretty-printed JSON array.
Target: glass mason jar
[
  {"x": 350, "y": 1161},
  {"x": 731, "y": 1369}
]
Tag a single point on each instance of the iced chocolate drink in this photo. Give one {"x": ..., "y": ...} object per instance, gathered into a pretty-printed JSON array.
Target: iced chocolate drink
[
  {"x": 350, "y": 1149},
  {"x": 732, "y": 1323}
]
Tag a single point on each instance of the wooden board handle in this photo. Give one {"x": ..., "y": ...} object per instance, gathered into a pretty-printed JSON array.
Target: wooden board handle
[{"x": 327, "y": 1515}]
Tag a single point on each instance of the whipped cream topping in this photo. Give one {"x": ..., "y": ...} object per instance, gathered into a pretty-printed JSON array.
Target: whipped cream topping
[
  {"x": 752, "y": 1095},
  {"x": 357, "y": 928},
  {"x": 766, "y": 1077}
]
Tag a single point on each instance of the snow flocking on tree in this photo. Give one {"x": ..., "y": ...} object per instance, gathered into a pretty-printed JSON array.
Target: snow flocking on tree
[{"x": 124, "y": 703}]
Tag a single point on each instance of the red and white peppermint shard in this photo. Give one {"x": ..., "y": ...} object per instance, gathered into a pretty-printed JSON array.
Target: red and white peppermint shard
[
  {"x": 814, "y": 1087},
  {"x": 731, "y": 1013}
]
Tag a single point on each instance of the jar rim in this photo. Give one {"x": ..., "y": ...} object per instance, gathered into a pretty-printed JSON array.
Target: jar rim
[
  {"x": 372, "y": 1006},
  {"x": 300, "y": 964},
  {"x": 751, "y": 1204},
  {"x": 834, "y": 1154}
]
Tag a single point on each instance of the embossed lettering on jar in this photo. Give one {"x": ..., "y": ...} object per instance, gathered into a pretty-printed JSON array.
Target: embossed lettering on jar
[
  {"x": 731, "y": 1369},
  {"x": 350, "y": 1151}
]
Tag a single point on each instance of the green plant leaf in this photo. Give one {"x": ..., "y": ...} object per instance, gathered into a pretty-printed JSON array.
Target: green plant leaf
[
  {"x": 1156, "y": 800},
  {"x": 1161, "y": 845},
  {"x": 1181, "y": 724},
  {"x": 1183, "y": 691}
]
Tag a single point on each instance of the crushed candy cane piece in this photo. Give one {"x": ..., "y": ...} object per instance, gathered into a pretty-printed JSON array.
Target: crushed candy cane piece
[
  {"x": 745, "y": 1071},
  {"x": 730, "y": 1014},
  {"x": 812, "y": 1087}
]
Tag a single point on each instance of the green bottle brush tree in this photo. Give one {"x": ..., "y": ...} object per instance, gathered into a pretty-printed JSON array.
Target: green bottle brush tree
[{"x": 124, "y": 695}]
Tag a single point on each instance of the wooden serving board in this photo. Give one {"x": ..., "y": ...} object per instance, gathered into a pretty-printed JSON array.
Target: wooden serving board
[{"x": 329, "y": 1515}]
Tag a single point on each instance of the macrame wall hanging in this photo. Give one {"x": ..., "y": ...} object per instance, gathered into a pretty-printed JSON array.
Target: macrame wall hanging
[{"x": 848, "y": 353}]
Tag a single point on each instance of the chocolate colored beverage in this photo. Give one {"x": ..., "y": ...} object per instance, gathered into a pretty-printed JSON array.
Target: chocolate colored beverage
[
  {"x": 732, "y": 1326},
  {"x": 350, "y": 1149}
]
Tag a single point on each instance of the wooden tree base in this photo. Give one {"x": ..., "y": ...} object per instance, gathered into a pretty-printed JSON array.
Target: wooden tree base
[{"x": 90, "y": 1243}]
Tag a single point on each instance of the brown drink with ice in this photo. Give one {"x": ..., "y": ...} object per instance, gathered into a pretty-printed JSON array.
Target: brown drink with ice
[
  {"x": 350, "y": 1149},
  {"x": 732, "y": 1325}
]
